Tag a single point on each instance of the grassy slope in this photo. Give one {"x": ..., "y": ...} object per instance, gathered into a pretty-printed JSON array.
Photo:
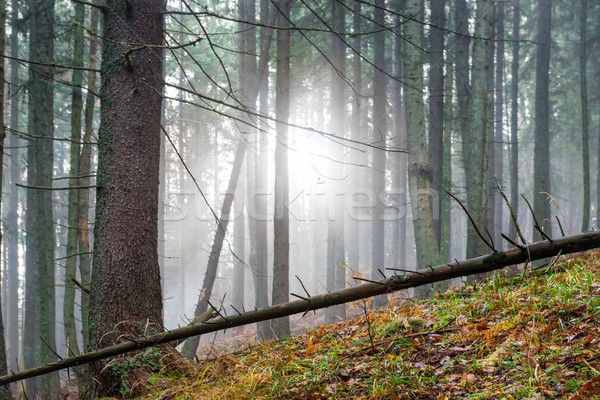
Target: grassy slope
[{"x": 527, "y": 337}]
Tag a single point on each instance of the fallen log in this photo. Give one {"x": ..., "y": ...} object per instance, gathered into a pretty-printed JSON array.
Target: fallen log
[{"x": 490, "y": 262}]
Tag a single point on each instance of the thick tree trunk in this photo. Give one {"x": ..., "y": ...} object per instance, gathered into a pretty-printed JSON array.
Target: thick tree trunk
[
  {"x": 39, "y": 223},
  {"x": 487, "y": 263},
  {"x": 126, "y": 289},
  {"x": 281, "y": 221},
  {"x": 419, "y": 164}
]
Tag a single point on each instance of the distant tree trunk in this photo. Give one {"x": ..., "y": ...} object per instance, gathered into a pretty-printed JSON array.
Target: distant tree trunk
[
  {"x": 541, "y": 148},
  {"x": 445, "y": 209},
  {"x": 84, "y": 174},
  {"x": 585, "y": 121},
  {"x": 5, "y": 392},
  {"x": 475, "y": 142},
  {"x": 73, "y": 195},
  {"x": 419, "y": 164},
  {"x": 126, "y": 289},
  {"x": 514, "y": 116},
  {"x": 461, "y": 57},
  {"x": 436, "y": 108},
  {"x": 39, "y": 223},
  {"x": 499, "y": 123},
  {"x": 379, "y": 138},
  {"x": 12, "y": 222},
  {"x": 491, "y": 150},
  {"x": 352, "y": 232},
  {"x": 336, "y": 273},
  {"x": 191, "y": 345},
  {"x": 239, "y": 248},
  {"x": 281, "y": 221},
  {"x": 261, "y": 283}
]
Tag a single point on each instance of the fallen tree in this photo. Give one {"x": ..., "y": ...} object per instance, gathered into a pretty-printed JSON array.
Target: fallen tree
[{"x": 490, "y": 262}]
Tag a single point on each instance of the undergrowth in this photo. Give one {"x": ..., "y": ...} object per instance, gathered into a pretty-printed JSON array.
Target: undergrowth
[{"x": 531, "y": 336}]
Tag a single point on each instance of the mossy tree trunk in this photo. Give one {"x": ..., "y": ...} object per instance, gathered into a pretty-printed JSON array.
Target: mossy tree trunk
[
  {"x": 585, "y": 119},
  {"x": 39, "y": 223},
  {"x": 419, "y": 164},
  {"x": 125, "y": 288},
  {"x": 475, "y": 138},
  {"x": 514, "y": 115}
]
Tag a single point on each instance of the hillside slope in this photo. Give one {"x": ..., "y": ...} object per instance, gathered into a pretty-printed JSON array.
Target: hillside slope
[{"x": 532, "y": 336}]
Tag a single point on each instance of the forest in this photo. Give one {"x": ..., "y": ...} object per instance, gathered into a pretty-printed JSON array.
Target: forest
[{"x": 172, "y": 168}]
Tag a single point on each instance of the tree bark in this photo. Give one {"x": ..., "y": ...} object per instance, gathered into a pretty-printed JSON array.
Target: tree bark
[
  {"x": 499, "y": 123},
  {"x": 491, "y": 262},
  {"x": 126, "y": 289}
]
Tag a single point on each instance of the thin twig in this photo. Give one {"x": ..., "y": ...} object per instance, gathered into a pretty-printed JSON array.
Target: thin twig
[
  {"x": 303, "y": 287},
  {"x": 509, "y": 240},
  {"x": 80, "y": 285},
  {"x": 300, "y": 297},
  {"x": 562, "y": 232},
  {"x": 56, "y": 188},
  {"x": 50, "y": 348}
]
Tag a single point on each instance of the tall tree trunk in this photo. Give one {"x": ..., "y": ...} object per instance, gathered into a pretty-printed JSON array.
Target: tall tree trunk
[
  {"x": 336, "y": 273},
  {"x": 541, "y": 148},
  {"x": 5, "y": 392},
  {"x": 514, "y": 116},
  {"x": 475, "y": 142},
  {"x": 12, "y": 222},
  {"x": 353, "y": 225},
  {"x": 261, "y": 291},
  {"x": 379, "y": 138},
  {"x": 419, "y": 164},
  {"x": 499, "y": 123},
  {"x": 281, "y": 221},
  {"x": 39, "y": 223},
  {"x": 73, "y": 195},
  {"x": 84, "y": 174},
  {"x": 239, "y": 248},
  {"x": 126, "y": 289},
  {"x": 436, "y": 108},
  {"x": 491, "y": 150},
  {"x": 585, "y": 121},
  {"x": 445, "y": 209}
]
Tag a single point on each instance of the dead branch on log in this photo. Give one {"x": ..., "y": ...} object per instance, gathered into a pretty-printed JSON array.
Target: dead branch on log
[{"x": 490, "y": 262}]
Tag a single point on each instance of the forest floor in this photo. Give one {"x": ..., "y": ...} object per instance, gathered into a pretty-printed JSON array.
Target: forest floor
[{"x": 530, "y": 336}]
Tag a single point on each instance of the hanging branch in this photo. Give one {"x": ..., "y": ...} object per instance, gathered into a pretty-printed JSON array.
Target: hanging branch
[{"x": 490, "y": 262}]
